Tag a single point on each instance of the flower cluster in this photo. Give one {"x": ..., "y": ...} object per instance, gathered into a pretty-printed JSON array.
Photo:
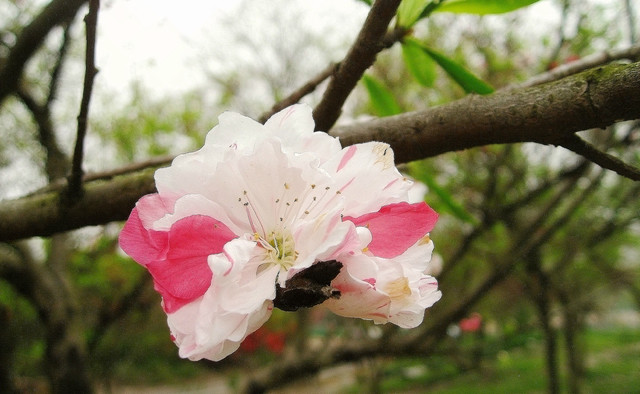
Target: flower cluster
[{"x": 244, "y": 217}]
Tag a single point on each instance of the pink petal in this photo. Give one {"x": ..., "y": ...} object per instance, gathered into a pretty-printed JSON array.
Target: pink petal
[
  {"x": 144, "y": 246},
  {"x": 152, "y": 207},
  {"x": 197, "y": 235},
  {"x": 181, "y": 274},
  {"x": 395, "y": 227}
]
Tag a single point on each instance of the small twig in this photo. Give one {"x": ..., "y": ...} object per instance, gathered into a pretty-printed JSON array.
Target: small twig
[
  {"x": 597, "y": 59},
  {"x": 562, "y": 39},
  {"x": 61, "y": 184},
  {"x": 577, "y": 145},
  {"x": 631, "y": 23},
  {"x": 360, "y": 57},
  {"x": 302, "y": 91},
  {"x": 75, "y": 179},
  {"x": 387, "y": 41},
  {"x": 56, "y": 162},
  {"x": 57, "y": 69}
]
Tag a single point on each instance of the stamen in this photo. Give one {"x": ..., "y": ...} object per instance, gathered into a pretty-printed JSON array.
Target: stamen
[{"x": 248, "y": 205}]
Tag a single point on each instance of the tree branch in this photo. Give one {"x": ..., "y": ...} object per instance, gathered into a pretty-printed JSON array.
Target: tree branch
[
  {"x": 544, "y": 114},
  {"x": 75, "y": 178},
  {"x": 302, "y": 91},
  {"x": 56, "y": 162},
  {"x": 576, "y": 144},
  {"x": 103, "y": 201},
  {"x": 57, "y": 68},
  {"x": 30, "y": 39},
  {"x": 387, "y": 41},
  {"x": 631, "y": 53},
  {"x": 360, "y": 57}
]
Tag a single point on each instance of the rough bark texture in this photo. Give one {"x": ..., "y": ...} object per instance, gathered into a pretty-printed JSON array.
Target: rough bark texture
[
  {"x": 544, "y": 113},
  {"x": 103, "y": 201}
]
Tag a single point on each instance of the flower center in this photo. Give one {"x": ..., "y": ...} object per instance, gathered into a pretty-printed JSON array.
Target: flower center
[
  {"x": 272, "y": 221},
  {"x": 280, "y": 249}
]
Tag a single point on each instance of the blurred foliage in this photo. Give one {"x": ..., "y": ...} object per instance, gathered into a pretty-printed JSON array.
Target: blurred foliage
[{"x": 146, "y": 127}]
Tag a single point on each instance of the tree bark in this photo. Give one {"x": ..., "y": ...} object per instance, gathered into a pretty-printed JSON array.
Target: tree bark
[{"x": 544, "y": 113}]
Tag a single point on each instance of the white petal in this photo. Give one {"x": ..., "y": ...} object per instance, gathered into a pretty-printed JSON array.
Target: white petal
[
  {"x": 367, "y": 177},
  {"x": 190, "y": 172},
  {"x": 294, "y": 127},
  {"x": 237, "y": 132}
]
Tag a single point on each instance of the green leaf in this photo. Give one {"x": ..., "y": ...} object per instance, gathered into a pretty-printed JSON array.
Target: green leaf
[
  {"x": 410, "y": 11},
  {"x": 419, "y": 63},
  {"x": 469, "y": 82},
  {"x": 418, "y": 171},
  {"x": 430, "y": 8},
  {"x": 483, "y": 7},
  {"x": 368, "y": 2},
  {"x": 382, "y": 100}
]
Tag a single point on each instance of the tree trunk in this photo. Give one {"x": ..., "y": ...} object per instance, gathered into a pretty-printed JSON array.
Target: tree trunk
[
  {"x": 6, "y": 353},
  {"x": 538, "y": 286},
  {"x": 66, "y": 359},
  {"x": 573, "y": 345},
  {"x": 66, "y": 356},
  {"x": 47, "y": 286}
]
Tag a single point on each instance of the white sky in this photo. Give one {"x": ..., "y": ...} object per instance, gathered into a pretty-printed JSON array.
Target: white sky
[
  {"x": 152, "y": 40},
  {"x": 159, "y": 41}
]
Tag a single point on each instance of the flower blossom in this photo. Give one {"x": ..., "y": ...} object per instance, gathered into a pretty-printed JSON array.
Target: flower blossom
[{"x": 244, "y": 217}]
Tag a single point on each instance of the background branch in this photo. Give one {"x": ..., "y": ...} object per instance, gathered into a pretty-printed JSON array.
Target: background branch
[
  {"x": 576, "y": 144},
  {"x": 30, "y": 39},
  {"x": 57, "y": 69},
  {"x": 56, "y": 162},
  {"x": 102, "y": 202},
  {"x": 631, "y": 53},
  {"x": 91, "y": 22},
  {"x": 302, "y": 91}
]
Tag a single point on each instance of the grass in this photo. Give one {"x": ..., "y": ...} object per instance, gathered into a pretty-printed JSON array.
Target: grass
[{"x": 612, "y": 366}]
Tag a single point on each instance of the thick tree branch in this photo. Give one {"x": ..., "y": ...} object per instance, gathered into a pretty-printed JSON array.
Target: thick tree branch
[
  {"x": 75, "y": 178},
  {"x": 103, "y": 201},
  {"x": 544, "y": 114},
  {"x": 360, "y": 57},
  {"x": 30, "y": 39}
]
